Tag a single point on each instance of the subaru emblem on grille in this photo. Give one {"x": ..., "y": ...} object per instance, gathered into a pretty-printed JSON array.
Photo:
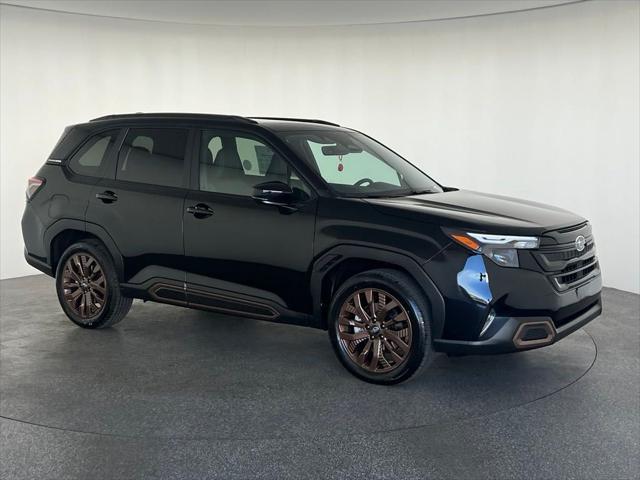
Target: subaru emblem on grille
[{"x": 580, "y": 243}]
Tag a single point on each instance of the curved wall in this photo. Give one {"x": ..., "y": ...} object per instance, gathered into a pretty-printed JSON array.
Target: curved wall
[{"x": 542, "y": 104}]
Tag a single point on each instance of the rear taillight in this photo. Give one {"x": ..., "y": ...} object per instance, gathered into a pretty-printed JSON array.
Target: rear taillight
[{"x": 33, "y": 185}]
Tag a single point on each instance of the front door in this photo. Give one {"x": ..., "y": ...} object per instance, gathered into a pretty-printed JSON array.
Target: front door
[{"x": 245, "y": 257}]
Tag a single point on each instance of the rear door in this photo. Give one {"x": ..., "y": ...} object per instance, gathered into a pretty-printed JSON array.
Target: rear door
[
  {"x": 237, "y": 248},
  {"x": 140, "y": 203},
  {"x": 84, "y": 169}
]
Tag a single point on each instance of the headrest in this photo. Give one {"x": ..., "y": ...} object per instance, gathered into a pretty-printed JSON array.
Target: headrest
[
  {"x": 228, "y": 157},
  {"x": 140, "y": 148},
  {"x": 277, "y": 167}
]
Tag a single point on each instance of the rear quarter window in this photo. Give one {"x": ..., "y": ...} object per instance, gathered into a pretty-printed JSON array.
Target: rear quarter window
[
  {"x": 69, "y": 141},
  {"x": 89, "y": 160}
]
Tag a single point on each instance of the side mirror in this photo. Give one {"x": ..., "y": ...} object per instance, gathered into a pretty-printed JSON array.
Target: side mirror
[{"x": 273, "y": 193}]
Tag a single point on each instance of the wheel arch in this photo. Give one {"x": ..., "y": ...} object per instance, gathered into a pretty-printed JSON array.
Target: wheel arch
[
  {"x": 341, "y": 262},
  {"x": 65, "y": 232}
]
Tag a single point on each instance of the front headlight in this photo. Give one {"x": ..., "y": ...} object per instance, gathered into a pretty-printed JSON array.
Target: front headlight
[{"x": 501, "y": 249}]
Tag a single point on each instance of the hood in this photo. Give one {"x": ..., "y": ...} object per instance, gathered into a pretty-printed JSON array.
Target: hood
[{"x": 478, "y": 211}]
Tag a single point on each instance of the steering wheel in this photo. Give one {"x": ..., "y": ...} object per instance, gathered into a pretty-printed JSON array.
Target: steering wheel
[{"x": 362, "y": 181}]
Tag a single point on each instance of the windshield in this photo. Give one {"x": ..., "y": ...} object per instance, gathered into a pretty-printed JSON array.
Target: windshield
[{"x": 354, "y": 165}]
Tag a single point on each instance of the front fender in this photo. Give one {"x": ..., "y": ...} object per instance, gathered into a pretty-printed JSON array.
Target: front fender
[{"x": 333, "y": 257}]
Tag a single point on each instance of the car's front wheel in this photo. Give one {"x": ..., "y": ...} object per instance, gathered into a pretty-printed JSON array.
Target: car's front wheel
[
  {"x": 379, "y": 326},
  {"x": 88, "y": 288}
]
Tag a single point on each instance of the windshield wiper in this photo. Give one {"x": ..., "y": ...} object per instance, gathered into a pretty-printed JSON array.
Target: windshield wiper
[
  {"x": 399, "y": 195},
  {"x": 386, "y": 195},
  {"x": 422, "y": 192}
]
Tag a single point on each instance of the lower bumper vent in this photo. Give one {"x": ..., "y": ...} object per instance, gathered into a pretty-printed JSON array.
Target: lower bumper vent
[{"x": 534, "y": 334}]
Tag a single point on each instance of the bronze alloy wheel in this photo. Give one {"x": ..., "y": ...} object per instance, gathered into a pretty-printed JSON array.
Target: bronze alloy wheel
[
  {"x": 375, "y": 331},
  {"x": 85, "y": 285}
]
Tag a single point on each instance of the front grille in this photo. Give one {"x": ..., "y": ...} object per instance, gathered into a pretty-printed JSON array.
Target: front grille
[
  {"x": 569, "y": 254},
  {"x": 579, "y": 274},
  {"x": 565, "y": 266},
  {"x": 578, "y": 265}
]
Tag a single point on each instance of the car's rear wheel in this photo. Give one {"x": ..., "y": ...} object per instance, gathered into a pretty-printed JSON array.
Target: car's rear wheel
[
  {"x": 379, "y": 326},
  {"x": 88, "y": 288}
]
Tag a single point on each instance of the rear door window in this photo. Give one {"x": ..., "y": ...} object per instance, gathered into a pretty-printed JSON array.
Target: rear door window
[{"x": 153, "y": 155}]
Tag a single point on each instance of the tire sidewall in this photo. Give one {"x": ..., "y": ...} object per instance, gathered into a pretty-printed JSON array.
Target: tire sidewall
[
  {"x": 106, "y": 264},
  {"x": 418, "y": 316}
]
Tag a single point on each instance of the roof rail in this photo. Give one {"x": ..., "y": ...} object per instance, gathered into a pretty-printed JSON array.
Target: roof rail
[
  {"x": 306, "y": 120},
  {"x": 204, "y": 116}
]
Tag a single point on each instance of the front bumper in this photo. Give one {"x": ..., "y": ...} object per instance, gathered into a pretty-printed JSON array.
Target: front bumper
[
  {"x": 492, "y": 309},
  {"x": 522, "y": 333}
]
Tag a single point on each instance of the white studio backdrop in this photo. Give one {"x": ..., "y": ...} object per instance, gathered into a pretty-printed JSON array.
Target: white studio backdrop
[{"x": 542, "y": 105}]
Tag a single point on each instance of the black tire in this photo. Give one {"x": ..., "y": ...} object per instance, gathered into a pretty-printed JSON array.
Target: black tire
[
  {"x": 114, "y": 306},
  {"x": 411, "y": 298}
]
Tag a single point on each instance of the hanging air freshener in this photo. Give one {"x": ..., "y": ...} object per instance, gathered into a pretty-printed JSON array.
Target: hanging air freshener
[{"x": 340, "y": 165}]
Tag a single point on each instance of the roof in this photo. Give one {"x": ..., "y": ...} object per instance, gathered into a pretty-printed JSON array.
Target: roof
[
  {"x": 175, "y": 115},
  {"x": 269, "y": 122}
]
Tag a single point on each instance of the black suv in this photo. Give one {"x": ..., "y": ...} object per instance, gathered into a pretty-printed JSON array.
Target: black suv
[{"x": 305, "y": 222}]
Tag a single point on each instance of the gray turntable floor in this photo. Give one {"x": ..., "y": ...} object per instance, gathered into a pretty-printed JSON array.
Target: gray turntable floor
[{"x": 175, "y": 393}]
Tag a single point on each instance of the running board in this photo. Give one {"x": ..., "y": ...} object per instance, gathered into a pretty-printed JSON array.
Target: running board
[{"x": 216, "y": 302}]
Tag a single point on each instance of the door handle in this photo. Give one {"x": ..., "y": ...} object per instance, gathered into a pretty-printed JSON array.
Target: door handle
[
  {"x": 200, "y": 210},
  {"x": 107, "y": 196}
]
